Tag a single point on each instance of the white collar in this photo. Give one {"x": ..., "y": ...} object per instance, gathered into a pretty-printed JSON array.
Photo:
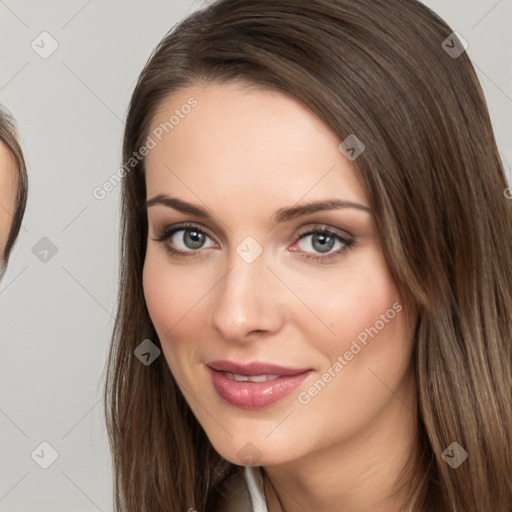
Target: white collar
[{"x": 254, "y": 479}]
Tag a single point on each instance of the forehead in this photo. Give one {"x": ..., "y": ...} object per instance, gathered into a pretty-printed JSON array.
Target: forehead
[{"x": 248, "y": 140}]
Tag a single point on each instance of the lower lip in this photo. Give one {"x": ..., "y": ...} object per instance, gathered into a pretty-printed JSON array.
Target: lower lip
[{"x": 255, "y": 395}]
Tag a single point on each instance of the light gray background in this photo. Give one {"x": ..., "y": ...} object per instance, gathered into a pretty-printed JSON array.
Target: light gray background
[{"x": 56, "y": 316}]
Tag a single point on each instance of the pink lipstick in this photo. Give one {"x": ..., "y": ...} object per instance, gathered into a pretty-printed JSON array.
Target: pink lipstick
[{"x": 254, "y": 385}]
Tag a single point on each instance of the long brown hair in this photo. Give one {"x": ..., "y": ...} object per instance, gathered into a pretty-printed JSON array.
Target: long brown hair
[
  {"x": 9, "y": 136},
  {"x": 433, "y": 176}
]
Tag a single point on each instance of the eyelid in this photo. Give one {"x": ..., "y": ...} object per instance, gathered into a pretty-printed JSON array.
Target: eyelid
[
  {"x": 344, "y": 236},
  {"x": 322, "y": 226},
  {"x": 312, "y": 227},
  {"x": 169, "y": 230}
]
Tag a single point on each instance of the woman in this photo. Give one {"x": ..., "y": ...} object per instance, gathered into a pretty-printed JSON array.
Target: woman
[
  {"x": 13, "y": 187},
  {"x": 315, "y": 306}
]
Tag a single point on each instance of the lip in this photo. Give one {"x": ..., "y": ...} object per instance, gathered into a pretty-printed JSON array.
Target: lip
[
  {"x": 255, "y": 395},
  {"x": 254, "y": 368}
]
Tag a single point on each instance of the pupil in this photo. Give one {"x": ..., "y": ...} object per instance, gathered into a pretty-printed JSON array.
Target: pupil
[
  {"x": 193, "y": 239},
  {"x": 322, "y": 242}
]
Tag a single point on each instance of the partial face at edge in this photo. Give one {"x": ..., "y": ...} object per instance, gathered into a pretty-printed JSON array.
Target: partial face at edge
[
  {"x": 8, "y": 191},
  {"x": 300, "y": 294}
]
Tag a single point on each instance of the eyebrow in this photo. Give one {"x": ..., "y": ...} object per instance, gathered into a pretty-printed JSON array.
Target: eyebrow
[{"x": 281, "y": 215}]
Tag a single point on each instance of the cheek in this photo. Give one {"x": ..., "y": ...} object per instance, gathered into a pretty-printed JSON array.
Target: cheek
[
  {"x": 366, "y": 357},
  {"x": 351, "y": 304},
  {"x": 363, "y": 305},
  {"x": 174, "y": 301}
]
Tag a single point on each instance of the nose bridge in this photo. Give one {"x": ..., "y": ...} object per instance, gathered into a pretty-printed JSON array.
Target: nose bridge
[{"x": 247, "y": 299}]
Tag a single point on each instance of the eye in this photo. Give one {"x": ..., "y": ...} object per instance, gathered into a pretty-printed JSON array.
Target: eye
[
  {"x": 183, "y": 240},
  {"x": 189, "y": 238},
  {"x": 323, "y": 244}
]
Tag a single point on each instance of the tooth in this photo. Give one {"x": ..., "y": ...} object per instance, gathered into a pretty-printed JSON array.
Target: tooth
[
  {"x": 240, "y": 378},
  {"x": 259, "y": 378},
  {"x": 250, "y": 378}
]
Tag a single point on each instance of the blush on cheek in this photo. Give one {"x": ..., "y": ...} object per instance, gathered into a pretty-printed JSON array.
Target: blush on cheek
[
  {"x": 365, "y": 322},
  {"x": 354, "y": 309}
]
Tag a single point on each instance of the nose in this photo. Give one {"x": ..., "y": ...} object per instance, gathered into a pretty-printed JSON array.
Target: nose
[{"x": 249, "y": 301}]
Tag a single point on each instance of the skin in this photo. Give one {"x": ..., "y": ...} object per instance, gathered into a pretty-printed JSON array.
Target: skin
[
  {"x": 243, "y": 153},
  {"x": 8, "y": 187}
]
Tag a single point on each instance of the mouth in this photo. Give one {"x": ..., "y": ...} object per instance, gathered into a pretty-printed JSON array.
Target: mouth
[
  {"x": 254, "y": 385},
  {"x": 250, "y": 378}
]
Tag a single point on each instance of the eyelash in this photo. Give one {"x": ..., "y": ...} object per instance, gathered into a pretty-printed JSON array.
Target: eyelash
[{"x": 168, "y": 232}]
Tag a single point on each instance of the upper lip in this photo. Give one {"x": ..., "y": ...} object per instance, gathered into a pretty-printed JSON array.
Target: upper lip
[{"x": 254, "y": 368}]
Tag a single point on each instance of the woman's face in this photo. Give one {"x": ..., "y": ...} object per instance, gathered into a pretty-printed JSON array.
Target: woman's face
[
  {"x": 8, "y": 184},
  {"x": 260, "y": 280}
]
